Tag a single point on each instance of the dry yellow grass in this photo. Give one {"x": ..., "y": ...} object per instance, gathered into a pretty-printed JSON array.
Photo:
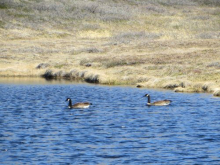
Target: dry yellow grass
[{"x": 154, "y": 44}]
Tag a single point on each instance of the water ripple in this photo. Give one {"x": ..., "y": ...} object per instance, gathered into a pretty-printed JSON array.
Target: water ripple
[{"x": 36, "y": 126}]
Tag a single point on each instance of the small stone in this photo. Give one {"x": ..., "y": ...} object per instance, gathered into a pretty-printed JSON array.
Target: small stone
[{"x": 42, "y": 66}]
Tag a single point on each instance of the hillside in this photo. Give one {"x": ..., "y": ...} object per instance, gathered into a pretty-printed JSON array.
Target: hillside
[{"x": 171, "y": 44}]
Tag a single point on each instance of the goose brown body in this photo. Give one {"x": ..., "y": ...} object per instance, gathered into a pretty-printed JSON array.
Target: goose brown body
[
  {"x": 157, "y": 103},
  {"x": 78, "y": 105}
]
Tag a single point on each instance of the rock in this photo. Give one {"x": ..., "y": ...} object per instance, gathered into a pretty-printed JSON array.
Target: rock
[
  {"x": 139, "y": 86},
  {"x": 48, "y": 74},
  {"x": 216, "y": 92},
  {"x": 42, "y": 66},
  {"x": 179, "y": 89},
  {"x": 88, "y": 65}
]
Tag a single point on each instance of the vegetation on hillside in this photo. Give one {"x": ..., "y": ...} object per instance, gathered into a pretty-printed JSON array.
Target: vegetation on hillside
[
  {"x": 119, "y": 19},
  {"x": 155, "y": 43}
]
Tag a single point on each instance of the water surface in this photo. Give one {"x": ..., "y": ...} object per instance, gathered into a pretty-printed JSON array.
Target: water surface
[{"x": 36, "y": 127}]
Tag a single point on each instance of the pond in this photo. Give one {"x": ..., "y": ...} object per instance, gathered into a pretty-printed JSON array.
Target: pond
[{"x": 36, "y": 126}]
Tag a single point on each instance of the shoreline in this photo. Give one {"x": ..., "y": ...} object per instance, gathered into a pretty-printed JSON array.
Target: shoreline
[
  {"x": 179, "y": 66},
  {"x": 92, "y": 78}
]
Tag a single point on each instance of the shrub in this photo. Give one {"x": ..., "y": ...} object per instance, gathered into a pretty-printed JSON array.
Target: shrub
[
  {"x": 214, "y": 64},
  {"x": 89, "y": 27},
  {"x": 5, "y": 4},
  {"x": 92, "y": 50},
  {"x": 86, "y": 50},
  {"x": 208, "y": 35},
  {"x": 176, "y": 2},
  {"x": 120, "y": 61},
  {"x": 84, "y": 62},
  {"x": 59, "y": 66},
  {"x": 2, "y": 24},
  {"x": 208, "y": 2},
  {"x": 126, "y": 37}
]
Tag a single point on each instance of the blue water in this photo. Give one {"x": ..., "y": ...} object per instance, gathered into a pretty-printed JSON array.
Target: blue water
[{"x": 36, "y": 127}]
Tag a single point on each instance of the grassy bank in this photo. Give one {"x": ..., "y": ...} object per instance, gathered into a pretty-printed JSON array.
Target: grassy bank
[{"x": 170, "y": 44}]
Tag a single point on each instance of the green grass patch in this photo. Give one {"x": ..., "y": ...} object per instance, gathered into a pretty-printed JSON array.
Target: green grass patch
[
  {"x": 2, "y": 24},
  {"x": 59, "y": 66},
  {"x": 3, "y": 6}
]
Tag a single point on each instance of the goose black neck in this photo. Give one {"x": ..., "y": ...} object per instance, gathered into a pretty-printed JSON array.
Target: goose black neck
[
  {"x": 148, "y": 98},
  {"x": 70, "y": 103}
]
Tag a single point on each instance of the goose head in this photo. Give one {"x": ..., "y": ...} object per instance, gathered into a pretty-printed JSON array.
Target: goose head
[
  {"x": 147, "y": 95},
  {"x": 68, "y": 99}
]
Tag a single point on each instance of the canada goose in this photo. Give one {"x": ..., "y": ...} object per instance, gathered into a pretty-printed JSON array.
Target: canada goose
[
  {"x": 158, "y": 103},
  {"x": 78, "y": 105}
]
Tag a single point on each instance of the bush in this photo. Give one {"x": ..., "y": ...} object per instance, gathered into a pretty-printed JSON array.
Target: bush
[
  {"x": 129, "y": 36},
  {"x": 214, "y": 64},
  {"x": 5, "y": 4},
  {"x": 176, "y": 2},
  {"x": 208, "y": 2},
  {"x": 208, "y": 35},
  {"x": 120, "y": 61}
]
